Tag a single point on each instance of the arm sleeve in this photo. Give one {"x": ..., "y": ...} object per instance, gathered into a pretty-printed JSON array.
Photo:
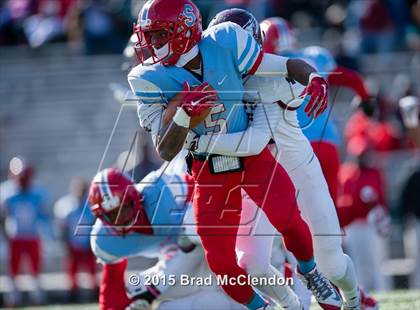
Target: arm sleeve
[
  {"x": 146, "y": 91},
  {"x": 272, "y": 65},
  {"x": 344, "y": 77},
  {"x": 244, "y": 143},
  {"x": 150, "y": 118}
]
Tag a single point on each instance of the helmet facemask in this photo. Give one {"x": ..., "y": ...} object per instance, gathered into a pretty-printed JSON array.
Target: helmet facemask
[
  {"x": 182, "y": 30},
  {"x": 115, "y": 200},
  {"x": 145, "y": 47},
  {"x": 123, "y": 218}
]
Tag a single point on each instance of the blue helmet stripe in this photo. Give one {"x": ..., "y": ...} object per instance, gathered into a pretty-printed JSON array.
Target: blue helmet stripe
[
  {"x": 144, "y": 16},
  {"x": 146, "y": 8},
  {"x": 104, "y": 186}
]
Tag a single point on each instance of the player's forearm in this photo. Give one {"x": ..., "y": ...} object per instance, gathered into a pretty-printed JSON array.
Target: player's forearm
[
  {"x": 171, "y": 136},
  {"x": 296, "y": 69},
  {"x": 170, "y": 140},
  {"x": 299, "y": 70},
  {"x": 244, "y": 143}
]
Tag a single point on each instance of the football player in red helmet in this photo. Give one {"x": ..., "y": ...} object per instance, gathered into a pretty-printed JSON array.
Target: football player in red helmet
[
  {"x": 167, "y": 33},
  {"x": 217, "y": 63},
  {"x": 138, "y": 220},
  {"x": 114, "y": 199},
  {"x": 279, "y": 36}
]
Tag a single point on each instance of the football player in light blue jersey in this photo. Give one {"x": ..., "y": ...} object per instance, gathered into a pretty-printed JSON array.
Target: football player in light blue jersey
[
  {"x": 216, "y": 61},
  {"x": 112, "y": 243},
  {"x": 143, "y": 219},
  {"x": 23, "y": 215}
]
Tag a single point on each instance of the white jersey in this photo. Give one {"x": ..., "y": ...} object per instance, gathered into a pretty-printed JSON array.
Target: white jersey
[
  {"x": 269, "y": 121},
  {"x": 295, "y": 154}
]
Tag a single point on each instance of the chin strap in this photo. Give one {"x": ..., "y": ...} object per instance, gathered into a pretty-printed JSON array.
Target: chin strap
[
  {"x": 162, "y": 52},
  {"x": 187, "y": 57}
]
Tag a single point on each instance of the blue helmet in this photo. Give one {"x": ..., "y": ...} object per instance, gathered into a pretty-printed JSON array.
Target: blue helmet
[{"x": 321, "y": 58}]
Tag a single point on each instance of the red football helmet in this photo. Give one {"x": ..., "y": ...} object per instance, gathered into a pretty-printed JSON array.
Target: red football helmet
[
  {"x": 115, "y": 200},
  {"x": 181, "y": 22},
  {"x": 279, "y": 36}
]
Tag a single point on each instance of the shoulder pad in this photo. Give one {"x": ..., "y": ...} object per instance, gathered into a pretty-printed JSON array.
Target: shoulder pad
[
  {"x": 98, "y": 241},
  {"x": 144, "y": 81},
  {"x": 155, "y": 83}
]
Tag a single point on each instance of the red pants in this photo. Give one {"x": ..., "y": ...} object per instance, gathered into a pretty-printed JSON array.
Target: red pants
[
  {"x": 76, "y": 261},
  {"x": 112, "y": 295},
  {"x": 217, "y": 207},
  {"x": 21, "y": 248},
  {"x": 329, "y": 159}
]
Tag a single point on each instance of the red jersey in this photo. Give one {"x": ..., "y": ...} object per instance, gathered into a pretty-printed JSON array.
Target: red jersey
[{"x": 362, "y": 189}]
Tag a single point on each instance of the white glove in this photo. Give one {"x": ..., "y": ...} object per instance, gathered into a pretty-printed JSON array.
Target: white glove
[{"x": 409, "y": 107}]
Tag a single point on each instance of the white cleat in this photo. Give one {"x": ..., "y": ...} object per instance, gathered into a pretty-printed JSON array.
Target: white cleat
[
  {"x": 353, "y": 304},
  {"x": 362, "y": 302}
]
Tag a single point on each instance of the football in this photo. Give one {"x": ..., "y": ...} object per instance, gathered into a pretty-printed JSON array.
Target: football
[{"x": 196, "y": 120}]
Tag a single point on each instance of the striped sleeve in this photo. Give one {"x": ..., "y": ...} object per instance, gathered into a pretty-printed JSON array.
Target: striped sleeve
[
  {"x": 248, "y": 52},
  {"x": 150, "y": 118},
  {"x": 146, "y": 91},
  {"x": 98, "y": 238}
]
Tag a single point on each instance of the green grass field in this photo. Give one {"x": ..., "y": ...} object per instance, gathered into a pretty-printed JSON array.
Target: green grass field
[{"x": 395, "y": 300}]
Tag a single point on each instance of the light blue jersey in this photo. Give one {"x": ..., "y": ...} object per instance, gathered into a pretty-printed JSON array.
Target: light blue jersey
[
  {"x": 25, "y": 213},
  {"x": 78, "y": 227},
  {"x": 228, "y": 52},
  {"x": 164, "y": 202},
  {"x": 323, "y": 128}
]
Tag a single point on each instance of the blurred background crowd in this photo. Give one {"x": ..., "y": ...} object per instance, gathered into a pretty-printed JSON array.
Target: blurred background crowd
[
  {"x": 103, "y": 26},
  {"x": 63, "y": 66}
]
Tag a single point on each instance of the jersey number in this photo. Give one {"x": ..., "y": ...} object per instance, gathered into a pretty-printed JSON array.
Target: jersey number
[{"x": 213, "y": 122}]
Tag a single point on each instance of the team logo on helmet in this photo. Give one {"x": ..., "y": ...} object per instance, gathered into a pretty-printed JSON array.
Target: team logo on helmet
[
  {"x": 179, "y": 18},
  {"x": 189, "y": 15}
]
